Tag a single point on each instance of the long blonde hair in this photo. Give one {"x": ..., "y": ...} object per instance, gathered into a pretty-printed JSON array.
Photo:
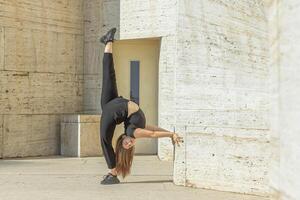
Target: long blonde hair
[{"x": 124, "y": 157}]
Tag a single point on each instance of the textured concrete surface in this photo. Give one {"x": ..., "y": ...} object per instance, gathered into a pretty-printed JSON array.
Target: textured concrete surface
[
  {"x": 213, "y": 89},
  {"x": 99, "y": 16},
  {"x": 271, "y": 10},
  {"x": 41, "y": 73},
  {"x": 78, "y": 178},
  {"x": 289, "y": 109},
  {"x": 222, "y": 105},
  {"x": 80, "y": 135}
]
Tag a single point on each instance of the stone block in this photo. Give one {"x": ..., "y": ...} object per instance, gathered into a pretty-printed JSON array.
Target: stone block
[
  {"x": 80, "y": 135},
  {"x": 223, "y": 163},
  {"x": 43, "y": 51},
  {"x": 141, "y": 18},
  {"x": 56, "y": 16},
  {"x": 30, "y": 135}
]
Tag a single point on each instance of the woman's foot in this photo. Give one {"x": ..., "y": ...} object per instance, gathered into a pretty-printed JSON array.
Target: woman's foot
[
  {"x": 110, "y": 179},
  {"x": 109, "y": 36}
]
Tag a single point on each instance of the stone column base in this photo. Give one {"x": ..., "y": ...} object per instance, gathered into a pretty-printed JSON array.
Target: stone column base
[{"x": 80, "y": 135}]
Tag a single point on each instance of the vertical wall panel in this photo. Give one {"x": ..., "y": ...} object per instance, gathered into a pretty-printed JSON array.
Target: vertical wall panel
[
  {"x": 222, "y": 96},
  {"x": 99, "y": 17},
  {"x": 41, "y": 72},
  {"x": 289, "y": 104}
]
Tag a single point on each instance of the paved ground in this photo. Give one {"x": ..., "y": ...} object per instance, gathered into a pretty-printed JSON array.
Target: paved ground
[{"x": 59, "y": 178}]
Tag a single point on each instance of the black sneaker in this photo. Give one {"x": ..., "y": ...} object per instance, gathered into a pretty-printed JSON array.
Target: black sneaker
[
  {"x": 110, "y": 179},
  {"x": 109, "y": 36}
]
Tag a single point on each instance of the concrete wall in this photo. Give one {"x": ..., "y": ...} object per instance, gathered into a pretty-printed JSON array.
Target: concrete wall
[
  {"x": 41, "y": 73},
  {"x": 214, "y": 88},
  {"x": 271, "y": 9},
  {"x": 99, "y": 16},
  {"x": 289, "y": 100},
  {"x": 222, "y": 96}
]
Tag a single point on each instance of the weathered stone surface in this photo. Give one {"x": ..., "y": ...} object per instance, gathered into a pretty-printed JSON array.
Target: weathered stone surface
[
  {"x": 80, "y": 135},
  {"x": 69, "y": 139},
  {"x": 41, "y": 51},
  {"x": 80, "y": 118},
  {"x": 289, "y": 107},
  {"x": 271, "y": 9},
  {"x": 55, "y": 16},
  {"x": 1, "y": 135},
  {"x": 41, "y": 72},
  {"x": 1, "y": 48},
  {"x": 143, "y": 18},
  {"x": 90, "y": 139},
  {"x": 40, "y": 93},
  {"x": 166, "y": 92},
  {"x": 100, "y": 16},
  {"x": 227, "y": 163},
  {"x": 221, "y": 85},
  {"x": 79, "y": 53},
  {"x": 30, "y": 135},
  {"x": 93, "y": 27},
  {"x": 224, "y": 163}
]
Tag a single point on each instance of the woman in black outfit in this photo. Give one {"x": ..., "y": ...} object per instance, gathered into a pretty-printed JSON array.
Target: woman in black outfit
[{"x": 115, "y": 110}]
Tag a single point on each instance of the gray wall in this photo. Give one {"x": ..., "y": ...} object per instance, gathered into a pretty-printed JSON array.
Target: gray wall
[
  {"x": 99, "y": 16},
  {"x": 41, "y": 73}
]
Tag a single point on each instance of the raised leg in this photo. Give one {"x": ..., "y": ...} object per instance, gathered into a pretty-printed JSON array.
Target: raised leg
[{"x": 109, "y": 83}]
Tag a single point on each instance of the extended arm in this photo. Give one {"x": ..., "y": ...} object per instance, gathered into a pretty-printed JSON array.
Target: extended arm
[
  {"x": 157, "y": 133},
  {"x": 151, "y": 132}
]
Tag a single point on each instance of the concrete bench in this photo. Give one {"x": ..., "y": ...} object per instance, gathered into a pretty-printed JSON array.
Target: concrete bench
[{"x": 80, "y": 135}]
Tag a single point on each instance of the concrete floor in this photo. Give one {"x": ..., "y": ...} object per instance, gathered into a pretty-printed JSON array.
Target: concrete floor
[{"x": 56, "y": 178}]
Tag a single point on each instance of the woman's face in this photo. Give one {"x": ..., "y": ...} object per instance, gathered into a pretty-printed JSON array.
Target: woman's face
[{"x": 128, "y": 142}]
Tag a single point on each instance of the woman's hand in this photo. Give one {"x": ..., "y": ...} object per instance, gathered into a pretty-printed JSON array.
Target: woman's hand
[{"x": 176, "y": 139}]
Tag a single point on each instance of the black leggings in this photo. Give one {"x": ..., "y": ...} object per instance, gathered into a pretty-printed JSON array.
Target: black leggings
[
  {"x": 109, "y": 84},
  {"x": 109, "y": 92}
]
